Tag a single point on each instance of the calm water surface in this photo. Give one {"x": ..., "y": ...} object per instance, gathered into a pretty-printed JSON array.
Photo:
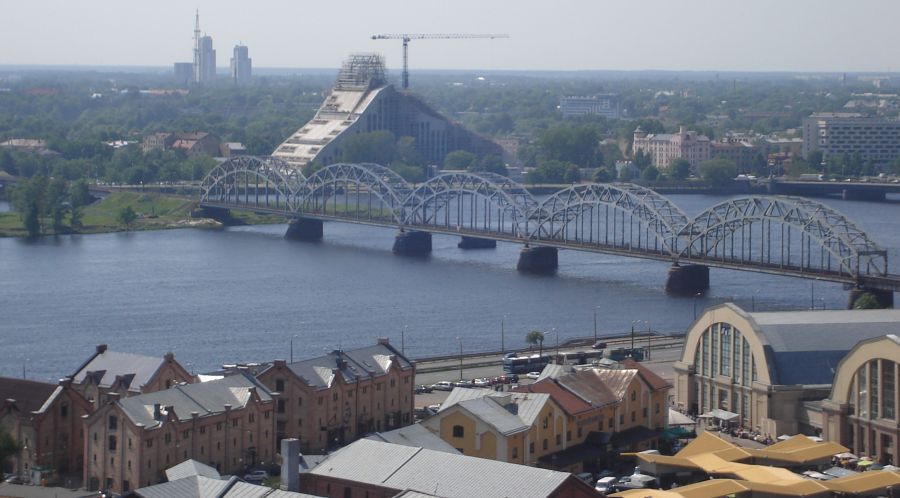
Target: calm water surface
[{"x": 241, "y": 294}]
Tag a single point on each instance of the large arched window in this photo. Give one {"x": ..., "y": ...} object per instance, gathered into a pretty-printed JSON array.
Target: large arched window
[
  {"x": 872, "y": 391},
  {"x": 723, "y": 351}
]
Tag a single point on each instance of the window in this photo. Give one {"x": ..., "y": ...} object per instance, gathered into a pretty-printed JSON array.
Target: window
[
  {"x": 333, "y": 396},
  {"x": 321, "y": 400},
  {"x": 656, "y": 410},
  {"x": 185, "y": 434},
  {"x": 378, "y": 386},
  {"x": 167, "y": 438},
  {"x": 546, "y": 422},
  {"x": 558, "y": 439},
  {"x": 633, "y": 413},
  {"x": 458, "y": 431},
  {"x": 129, "y": 443},
  {"x": 600, "y": 425},
  {"x": 610, "y": 423},
  {"x": 149, "y": 443},
  {"x": 202, "y": 429},
  {"x": 112, "y": 443},
  {"x": 280, "y": 406},
  {"x": 218, "y": 426},
  {"x": 644, "y": 412},
  {"x": 299, "y": 401},
  {"x": 234, "y": 422},
  {"x": 515, "y": 452},
  {"x": 531, "y": 447},
  {"x": 622, "y": 419},
  {"x": 568, "y": 436},
  {"x": 279, "y": 385},
  {"x": 393, "y": 382},
  {"x": 544, "y": 443},
  {"x": 633, "y": 395},
  {"x": 95, "y": 439},
  {"x": 251, "y": 418},
  {"x": 888, "y": 383},
  {"x": 64, "y": 410}
]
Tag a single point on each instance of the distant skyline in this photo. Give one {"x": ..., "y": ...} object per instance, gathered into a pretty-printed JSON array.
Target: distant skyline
[{"x": 691, "y": 35}]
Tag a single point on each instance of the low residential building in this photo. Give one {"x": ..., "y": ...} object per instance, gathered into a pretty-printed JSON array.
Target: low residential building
[
  {"x": 608, "y": 410},
  {"x": 507, "y": 427},
  {"x": 663, "y": 148},
  {"x": 45, "y": 419},
  {"x": 126, "y": 374},
  {"x": 197, "y": 143},
  {"x": 742, "y": 154},
  {"x": 232, "y": 149},
  {"x": 383, "y": 470},
  {"x": 226, "y": 423},
  {"x": 331, "y": 400},
  {"x": 861, "y": 410},
  {"x": 764, "y": 366}
]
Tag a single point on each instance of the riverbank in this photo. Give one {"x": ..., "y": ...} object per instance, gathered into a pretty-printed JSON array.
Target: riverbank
[{"x": 154, "y": 211}]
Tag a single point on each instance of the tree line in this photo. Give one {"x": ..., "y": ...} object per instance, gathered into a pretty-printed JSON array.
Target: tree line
[{"x": 47, "y": 204}]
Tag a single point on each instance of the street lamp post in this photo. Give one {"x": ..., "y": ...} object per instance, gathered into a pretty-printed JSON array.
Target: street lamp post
[
  {"x": 649, "y": 339},
  {"x": 403, "y": 340},
  {"x": 595, "y": 324},
  {"x": 460, "y": 358},
  {"x": 503, "y": 335},
  {"x": 292, "y": 346},
  {"x": 556, "y": 333},
  {"x": 695, "y": 304}
]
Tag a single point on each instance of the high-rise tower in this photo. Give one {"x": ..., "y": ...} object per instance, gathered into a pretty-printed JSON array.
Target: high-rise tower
[
  {"x": 240, "y": 65},
  {"x": 204, "y": 55}
]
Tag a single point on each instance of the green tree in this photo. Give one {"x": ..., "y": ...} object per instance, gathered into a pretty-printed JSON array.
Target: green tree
[
  {"x": 407, "y": 153},
  {"x": 127, "y": 216},
  {"x": 28, "y": 201},
  {"x": 867, "y": 301},
  {"x": 459, "y": 159},
  {"x": 650, "y": 174},
  {"x": 601, "y": 176},
  {"x": 376, "y": 147},
  {"x": 680, "y": 168},
  {"x": 79, "y": 196},
  {"x": 572, "y": 174},
  {"x": 535, "y": 338},
  {"x": 490, "y": 163},
  {"x": 642, "y": 160},
  {"x": 408, "y": 172},
  {"x": 8, "y": 446},
  {"x": 8, "y": 162},
  {"x": 718, "y": 172},
  {"x": 56, "y": 202}
]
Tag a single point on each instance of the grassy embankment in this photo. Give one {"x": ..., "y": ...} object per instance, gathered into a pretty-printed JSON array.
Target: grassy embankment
[{"x": 155, "y": 212}]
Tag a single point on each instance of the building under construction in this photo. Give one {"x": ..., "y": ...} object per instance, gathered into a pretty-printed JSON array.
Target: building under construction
[{"x": 361, "y": 102}]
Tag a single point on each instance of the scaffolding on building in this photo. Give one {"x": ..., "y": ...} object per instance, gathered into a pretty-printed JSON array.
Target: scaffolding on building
[{"x": 361, "y": 72}]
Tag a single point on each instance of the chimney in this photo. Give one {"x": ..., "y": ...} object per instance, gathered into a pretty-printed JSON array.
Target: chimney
[
  {"x": 101, "y": 348},
  {"x": 157, "y": 414},
  {"x": 252, "y": 390},
  {"x": 195, "y": 415},
  {"x": 384, "y": 341},
  {"x": 227, "y": 407},
  {"x": 280, "y": 363},
  {"x": 65, "y": 382},
  {"x": 169, "y": 357},
  {"x": 113, "y": 397},
  {"x": 290, "y": 464}
]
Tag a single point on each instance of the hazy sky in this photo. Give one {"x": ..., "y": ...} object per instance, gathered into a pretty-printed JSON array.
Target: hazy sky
[{"x": 756, "y": 35}]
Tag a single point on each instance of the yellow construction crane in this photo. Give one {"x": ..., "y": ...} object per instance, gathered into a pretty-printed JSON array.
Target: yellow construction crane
[{"x": 407, "y": 37}]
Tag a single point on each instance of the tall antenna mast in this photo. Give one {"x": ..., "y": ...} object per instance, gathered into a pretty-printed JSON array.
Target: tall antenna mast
[{"x": 196, "y": 67}]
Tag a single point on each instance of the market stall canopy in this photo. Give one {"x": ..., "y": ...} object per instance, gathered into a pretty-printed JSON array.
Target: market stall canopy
[
  {"x": 720, "y": 414},
  {"x": 678, "y": 418}
]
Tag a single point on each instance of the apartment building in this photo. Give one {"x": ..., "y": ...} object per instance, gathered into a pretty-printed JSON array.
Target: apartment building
[
  {"x": 663, "y": 148},
  {"x": 332, "y": 400},
  {"x": 605, "y": 104},
  {"x": 853, "y": 134},
  {"x": 226, "y": 423}
]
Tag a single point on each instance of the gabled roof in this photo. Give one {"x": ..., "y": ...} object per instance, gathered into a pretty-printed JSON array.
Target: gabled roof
[
  {"x": 649, "y": 376},
  {"x": 105, "y": 366},
  {"x": 616, "y": 380},
  {"x": 190, "y": 468},
  {"x": 571, "y": 403},
  {"x": 207, "y": 398},
  {"x": 353, "y": 365},
  {"x": 29, "y": 395},
  {"x": 207, "y": 487},
  {"x": 415, "y": 435},
  {"x": 438, "y": 473},
  {"x": 508, "y": 413}
]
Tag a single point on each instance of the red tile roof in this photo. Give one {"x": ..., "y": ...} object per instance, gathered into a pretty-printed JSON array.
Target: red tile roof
[
  {"x": 569, "y": 402},
  {"x": 654, "y": 381}
]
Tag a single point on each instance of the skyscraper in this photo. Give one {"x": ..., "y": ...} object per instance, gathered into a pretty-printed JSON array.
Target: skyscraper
[
  {"x": 204, "y": 55},
  {"x": 240, "y": 65}
]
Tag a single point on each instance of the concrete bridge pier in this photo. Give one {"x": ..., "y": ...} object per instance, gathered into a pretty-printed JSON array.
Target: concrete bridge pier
[
  {"x": 306, "y": 229},
  {"x": 863, "y": 195},
  {"x": 222, "y": 215},
  {"x": 476, "y": 243},
  {"x": 412, "y": 243},
  {"x": 539, "y": 259},
  {"x": 885, "y": 298},
  {"x": 687, "y": 279}
]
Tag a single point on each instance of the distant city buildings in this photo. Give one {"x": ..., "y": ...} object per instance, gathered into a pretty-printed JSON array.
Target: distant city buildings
[
  {"x": 184, "y": 73},
  {"x": 853, "y": 134},
  {"x": 606, "y": 105},
  {"x": 663, "y": 148},
  {"x": 240, "y": 65}
]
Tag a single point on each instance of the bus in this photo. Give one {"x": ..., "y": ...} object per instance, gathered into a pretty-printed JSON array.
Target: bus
[
  {"x": 515, "y": 364},
  {"x": 580, "y": 357}
]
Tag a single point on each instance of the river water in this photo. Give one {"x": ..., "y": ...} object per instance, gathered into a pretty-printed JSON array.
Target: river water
[{"x": 242, "y": 293}]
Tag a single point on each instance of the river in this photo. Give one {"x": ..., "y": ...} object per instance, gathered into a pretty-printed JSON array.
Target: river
[{"x": 242, "y": 293}]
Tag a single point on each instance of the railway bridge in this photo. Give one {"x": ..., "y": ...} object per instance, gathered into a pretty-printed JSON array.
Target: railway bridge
[{"x": 779, "y": 235}]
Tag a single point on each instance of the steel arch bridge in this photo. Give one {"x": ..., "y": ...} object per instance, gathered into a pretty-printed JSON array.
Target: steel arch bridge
[{"x": 779, "y": 235}]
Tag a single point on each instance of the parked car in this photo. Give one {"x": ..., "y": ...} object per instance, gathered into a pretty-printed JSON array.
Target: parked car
[
  {"x": 599, "y": 345},
  {"x": 463, "y": 383},
  {"x": 533, "y": 375},
  {"x": 482, "y": 382},
  {"x": 605, "y": 485},
  {"x": 256, "y": 476},
  {"x": 422, "y": 388},
  {"x": 587, "y": 477},
  {"x": 636, "y": 481},
  {"x": 444, "y": 385}
]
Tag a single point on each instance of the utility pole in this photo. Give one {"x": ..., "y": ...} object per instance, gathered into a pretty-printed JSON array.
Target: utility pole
[
  {"x": 403, "y": 340},
  {"x": 460, "y": 358},
  {"x": 502, "y": 335}
]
